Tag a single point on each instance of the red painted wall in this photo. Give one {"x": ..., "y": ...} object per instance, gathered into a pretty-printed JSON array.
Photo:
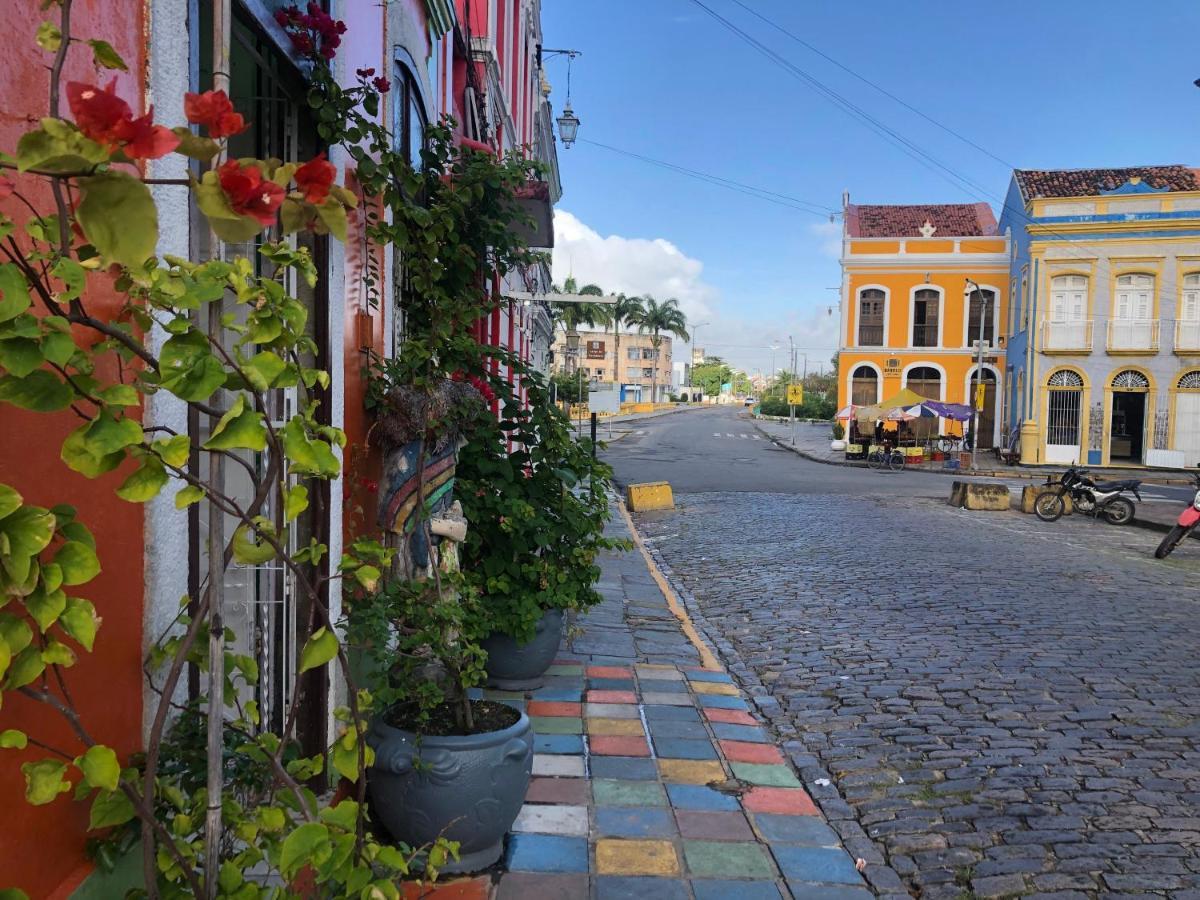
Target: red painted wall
[{"x": 41, "y": 848}]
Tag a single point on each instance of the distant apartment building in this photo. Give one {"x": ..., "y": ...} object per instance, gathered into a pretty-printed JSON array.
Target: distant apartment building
[{"x": 628, "y": 360}]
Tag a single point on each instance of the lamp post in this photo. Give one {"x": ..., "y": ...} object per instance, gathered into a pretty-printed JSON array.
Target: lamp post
[
  {"x": 978, "y": 380},
  {"x": 692, "y": 361}
]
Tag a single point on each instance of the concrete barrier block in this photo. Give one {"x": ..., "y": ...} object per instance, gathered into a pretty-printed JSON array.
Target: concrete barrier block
[
  {"x": 649, "y": 495},
  {"x": 977, "y": 496},
  {"x": 1030, "y": 493}
]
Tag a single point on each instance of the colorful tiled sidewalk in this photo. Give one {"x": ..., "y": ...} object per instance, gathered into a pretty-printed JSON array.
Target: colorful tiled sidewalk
[{"x": 652, "y": 780}]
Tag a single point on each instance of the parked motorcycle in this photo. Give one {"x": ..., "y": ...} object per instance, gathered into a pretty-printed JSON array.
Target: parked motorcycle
[
  {"x": 1188, "y": 519},
  {"x": 1089, "y": 497}
]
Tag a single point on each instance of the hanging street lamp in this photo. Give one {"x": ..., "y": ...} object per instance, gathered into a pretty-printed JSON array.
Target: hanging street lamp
[{"x": 568, "y": 122}]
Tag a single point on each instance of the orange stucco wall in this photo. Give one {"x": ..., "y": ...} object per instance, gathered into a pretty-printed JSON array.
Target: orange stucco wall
[{"x": 41, "y": 848}]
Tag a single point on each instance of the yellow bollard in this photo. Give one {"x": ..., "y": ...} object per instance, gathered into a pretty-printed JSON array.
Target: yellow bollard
[{"x": 650, "y": 495}]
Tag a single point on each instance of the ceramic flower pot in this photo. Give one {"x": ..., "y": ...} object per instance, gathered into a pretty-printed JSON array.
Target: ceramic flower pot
[
  {"x": 837, "y": 445},
  {"x": 464, "y": 788},
  {"x": 521, "y": 667}
]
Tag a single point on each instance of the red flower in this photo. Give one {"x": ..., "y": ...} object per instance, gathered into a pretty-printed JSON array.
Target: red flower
[
  {"x": 249, "y": 194},
  {"x": 381, "y": 84},
  {"x": 364, "y": 73},
  {"x": 315, "y": 178},
  {"x": 99, "y": 113},
  {"x": 214, "y": 111},
  {"x": 142, "y": 139}
]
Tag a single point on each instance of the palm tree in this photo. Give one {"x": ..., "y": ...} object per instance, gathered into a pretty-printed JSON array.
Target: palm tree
[
  {"x": 625, "y": 311},
  {"x": 657, "y": 318}
]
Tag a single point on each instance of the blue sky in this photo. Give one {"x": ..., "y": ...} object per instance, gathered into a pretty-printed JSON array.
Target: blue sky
[{"x": 1063, "y": 84}]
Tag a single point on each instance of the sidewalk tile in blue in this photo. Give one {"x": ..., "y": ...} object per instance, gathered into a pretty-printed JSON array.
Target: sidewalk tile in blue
[
  {"x": 633, "y": 822},
  {"x": 547, "y": 853},
  {"x": 735, "y": 890},
  {"x": 558, "y": 743},
  {"x": 820, "y": 864},
  {"x": 806, "y": 830},
  {"x": 629, "y": 767},
  {"x": 805, "y": 891},
  {"x": 669, "y": 728},
  {"x": 720, "y": 701},
  {"x": 560, "y": 694},
  {"x": 740, "y": 733},
  {"x": 684, "y": 748},
  {"x": 697, "y": 796},
  {"x": 675, "y": 713},
  {"x": 612, "y": 887},
  {"x": 664, "y": 687},
  {"x": 710, "y": 676}
]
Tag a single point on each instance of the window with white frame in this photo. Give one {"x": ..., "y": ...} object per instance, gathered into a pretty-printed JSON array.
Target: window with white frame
[
  {"x": 1135, "y": 297},
  {"x": 981, "y": 316}
]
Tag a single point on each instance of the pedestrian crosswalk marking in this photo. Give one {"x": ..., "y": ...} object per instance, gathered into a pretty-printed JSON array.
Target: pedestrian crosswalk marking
[{"x": 743, "y": 436}]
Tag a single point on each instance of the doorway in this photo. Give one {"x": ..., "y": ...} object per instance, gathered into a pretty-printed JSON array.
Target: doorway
[
  {"x": 1127, "y": 427},
  {"x": 986, "y": 439}
]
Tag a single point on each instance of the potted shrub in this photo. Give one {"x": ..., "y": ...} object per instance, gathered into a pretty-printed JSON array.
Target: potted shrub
[
  {"x": 445, "y": 765},
  {"x": 538, "y": 512},
  {"x": 839, "y": 433}
]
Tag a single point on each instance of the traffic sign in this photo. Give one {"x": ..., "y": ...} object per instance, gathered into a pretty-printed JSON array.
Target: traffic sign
[{"x": 795, "y": 395}]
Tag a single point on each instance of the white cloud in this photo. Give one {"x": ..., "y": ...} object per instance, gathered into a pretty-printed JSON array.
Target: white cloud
[
  {"x": 829, "y": 238},
  {"x": 656, "y": 266}
]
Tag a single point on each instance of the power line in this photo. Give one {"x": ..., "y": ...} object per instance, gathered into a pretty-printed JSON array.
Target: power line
[{"x": 807, "y": 206}]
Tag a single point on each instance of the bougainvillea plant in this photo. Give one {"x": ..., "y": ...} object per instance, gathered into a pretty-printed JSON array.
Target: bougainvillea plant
[{"x": 221, "y": 336}]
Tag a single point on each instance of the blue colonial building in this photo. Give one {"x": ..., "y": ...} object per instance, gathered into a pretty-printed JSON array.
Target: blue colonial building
[{"x": 1103, "y": 350}]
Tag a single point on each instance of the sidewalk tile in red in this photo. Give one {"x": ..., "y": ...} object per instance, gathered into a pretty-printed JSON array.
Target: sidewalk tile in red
[
  {"x": 618, "y": 745},
  {"x": 716, "y": 826},
  {"x": 558, "y": 790},
  {"x": 611, "y": 697},
  {"x": 554, "y": 708},
  {"x": 463, "y": 889},
  {"x": 730, "y": 716},
  {"x": 783, "y": 801},
  {"x": 743, "y": 751},
  {"x": 609, "y": 672},
  {"x": 538, "y": 886}
]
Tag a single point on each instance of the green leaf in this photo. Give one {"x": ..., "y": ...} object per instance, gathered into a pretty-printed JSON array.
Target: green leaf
[
  {"x": 263, "y": 369},
  {"x": 118, "y": 217},
  {"x": 11, "y": 739},
  {"x": 39, "y": 391},
  {"x": 344, "y": 756},
  {"x": 14, "y": 292},
  {"x": 318, "y": 649},
  {"x": 27, "y": 531},
  {"x": 145, "y": 482},
  {"x": 79, "y": 562},
  {"x": 49, "y": 37},
  {"x": 58, "y": 348},
  {"x": 20, "y": 356},
  {"x": 58, "y": 146},
  {"x": 57, "y": 653},
  {"x": 306, "y": 456},
  {"x": 44, "y": 781},
  {"x": 294, "y": 215},
  {"x": 108, "y": 434},
  {"x": 188, "y": 495},
  {"x": 239, "y": 428},
  {"x": 105, "y": 57},
  {"x": 15, "y": 634},
  {"x": 73, "y": 277},
  {"x": 25, "y": 668},
  {"x": 307, "y": 845},
  {"x": 174, "y": 450},
  {"x": 247, "y": 552},
  {"x": 13, "y": 894},
  {"x": 100, "y": 767},
  {"x": 295, "y": 502},
  {"x": 121, "y": 395},
  {"x": 193, "y": 146},
  {"x": 10, "y": 500},
  {"x": 108, "y": 809},
  {"x": 367, "y": 576},
  {"x": 228, "y": 225},
  {"x": 76, "y": 453},
  {"x": 333, "y": 216},
  {"x": 45, "y": 607},
  {"x": 80, "y": 621},
  {"x": 188, "y": 368},
  {"x": 51, "y": 576}
]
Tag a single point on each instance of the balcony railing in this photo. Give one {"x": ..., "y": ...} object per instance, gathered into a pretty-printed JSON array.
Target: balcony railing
[
  {"x": 1187, "y": 336},
  {"x": 870, "y": 335},
  {"x": 925, "y": 335},
  {"x": 1133, "y": 334},
  {"x": 1067, "y": 336}
]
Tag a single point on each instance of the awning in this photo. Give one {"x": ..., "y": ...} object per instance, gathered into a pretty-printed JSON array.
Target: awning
[
  {"x": 880, "y": 409},
  {"x": 957, "y": 412}
]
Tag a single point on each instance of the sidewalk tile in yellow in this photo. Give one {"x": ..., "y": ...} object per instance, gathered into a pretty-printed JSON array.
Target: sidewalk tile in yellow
[
  {"x": 714, "y": 687},
  {"x": 616, "y": 857},
  {"x": 691, "y": 771},
  {"x": 614, "y": 726}
]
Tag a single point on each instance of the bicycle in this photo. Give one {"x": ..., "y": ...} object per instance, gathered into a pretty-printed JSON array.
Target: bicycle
[{"x": 885, "y": 457}]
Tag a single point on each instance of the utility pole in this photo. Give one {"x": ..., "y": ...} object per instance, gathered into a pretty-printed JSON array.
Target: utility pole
[
  {"x": 791, "y": 377},
  {"x": 978, "y": 380}
]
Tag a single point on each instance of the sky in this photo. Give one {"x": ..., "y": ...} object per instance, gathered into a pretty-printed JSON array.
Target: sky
[{"x": 1033, "y": 84}]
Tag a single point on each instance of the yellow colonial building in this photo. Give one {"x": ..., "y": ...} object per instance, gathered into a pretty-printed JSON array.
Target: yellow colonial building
[{"x": 922, "y": 285}]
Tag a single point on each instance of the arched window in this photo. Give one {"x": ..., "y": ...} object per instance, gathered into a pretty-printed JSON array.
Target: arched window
[
  {"x": 1064, "y": 415},
  {"x": 926, "y": 381},
  {"x": 926, "y": 311},
  {"x": 409, "y": 115},
  {"x": 1131, "y": 380},
  {"x": 1190, "y": 381},
  {"x": 864, "y": 386},
  {"x": 870, "y": 317},
  {"x": 981, "y": 326},
  {"x": 1066, "y": 379}
]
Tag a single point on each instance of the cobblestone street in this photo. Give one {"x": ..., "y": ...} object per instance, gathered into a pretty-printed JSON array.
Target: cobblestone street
[{"x": 983, "y": 702}]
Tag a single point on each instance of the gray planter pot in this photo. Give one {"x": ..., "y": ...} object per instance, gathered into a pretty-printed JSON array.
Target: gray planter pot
[
  {"x": 466, "y": 789},
  {"x": 521, "y": 667}
]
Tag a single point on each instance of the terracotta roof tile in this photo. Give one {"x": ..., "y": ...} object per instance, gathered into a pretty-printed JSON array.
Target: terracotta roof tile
[
  {"x": 948, "y": 220},
  {"x": 1092, "y": 182}
]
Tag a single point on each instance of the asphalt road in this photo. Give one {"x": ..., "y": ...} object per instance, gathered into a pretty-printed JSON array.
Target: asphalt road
[{"x": 984, "y": 704}]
